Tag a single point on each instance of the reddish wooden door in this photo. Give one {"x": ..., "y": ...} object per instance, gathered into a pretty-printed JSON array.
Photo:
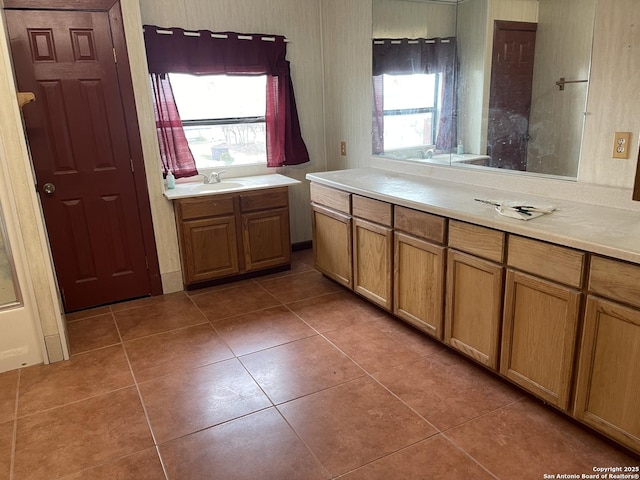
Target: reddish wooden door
[
  {"x": 79, "y": 146},
  {"x": 510, "y": 94}
]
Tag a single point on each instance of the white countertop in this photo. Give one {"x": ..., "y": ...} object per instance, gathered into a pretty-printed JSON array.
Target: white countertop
[
  {"x": 607, "y": 231},
  {"x": 229, "y": 185}
]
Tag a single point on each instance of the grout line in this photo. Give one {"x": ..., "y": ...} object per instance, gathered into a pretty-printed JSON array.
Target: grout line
[
  {"x": 14, "y": 437},
  {"x": 295, "y": 432},
  {"x": 144, "y": 408},
  {"x": 471, "y": 457}
]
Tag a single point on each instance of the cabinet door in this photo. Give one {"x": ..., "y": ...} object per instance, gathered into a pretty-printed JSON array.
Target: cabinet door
[
  {"x": 474, "y": 307},
  {"x": 332, "y": 244},
  {"x": 418, "y": 287},
  {"x": 266, "y": 239},
  {"x": 539, "y": 336},
  {"x": 372, "y": 257},
  {"x": 209, "y": 249},
  {"x": 608, "y": 386}
]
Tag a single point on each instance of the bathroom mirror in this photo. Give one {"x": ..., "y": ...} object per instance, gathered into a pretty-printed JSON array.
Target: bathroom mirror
[{"x": 518, "y": 96}]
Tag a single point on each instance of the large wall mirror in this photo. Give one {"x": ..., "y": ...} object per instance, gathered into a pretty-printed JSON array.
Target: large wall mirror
[{"x": 482, "y": 83}]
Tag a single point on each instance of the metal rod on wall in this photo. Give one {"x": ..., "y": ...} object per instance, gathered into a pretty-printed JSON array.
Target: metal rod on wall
[{"x": 561, "y": 83}]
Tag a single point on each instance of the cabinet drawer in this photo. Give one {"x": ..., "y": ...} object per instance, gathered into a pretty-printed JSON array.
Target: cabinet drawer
[
  {"x": 420, "y": 224},
  {"x": 553, "y": 262},
  {"x": 330, "y": 197},
  {"x": 476, "y": 240},
  {"x": 205, "y": 207},
  {"x": 264, "y": 199},
  {"x": 615, "y": 280},
  {"x": 373, "y": 210}
]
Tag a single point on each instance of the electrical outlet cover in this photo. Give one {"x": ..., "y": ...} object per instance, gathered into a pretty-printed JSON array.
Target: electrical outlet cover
[{"x": 621, "y": 144}]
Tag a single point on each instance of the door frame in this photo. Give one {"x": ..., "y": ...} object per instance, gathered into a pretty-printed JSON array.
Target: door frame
[{"x": 123, "y": 68}]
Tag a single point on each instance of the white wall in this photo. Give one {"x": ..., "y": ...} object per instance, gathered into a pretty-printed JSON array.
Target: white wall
[{"x": 393, "y": 19}]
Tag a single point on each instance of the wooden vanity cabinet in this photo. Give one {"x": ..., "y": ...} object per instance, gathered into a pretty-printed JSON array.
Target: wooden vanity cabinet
[
  {"x": 208, "y": 237},
  {"x": 541, "y": 311},
  {"x": 474, "y": 288},
  {"x": 229, "y": 234},
  {"x": 373, "y": 250},
  {"x": 332, "y": 233},
  {"x": 608, "y": 382},
  {"x": 419, "y": 265}
]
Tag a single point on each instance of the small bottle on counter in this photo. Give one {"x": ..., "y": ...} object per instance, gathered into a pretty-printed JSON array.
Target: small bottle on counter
[{"x": 171, "y": 180}]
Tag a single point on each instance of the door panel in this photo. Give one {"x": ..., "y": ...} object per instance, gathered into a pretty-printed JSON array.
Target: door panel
[
  {"x": 78, "y": 139},
  {"x": 510, "y": 96}
]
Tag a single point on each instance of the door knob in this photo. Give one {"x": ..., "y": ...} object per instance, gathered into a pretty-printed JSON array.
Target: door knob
[{"x": 49, "y": 188}]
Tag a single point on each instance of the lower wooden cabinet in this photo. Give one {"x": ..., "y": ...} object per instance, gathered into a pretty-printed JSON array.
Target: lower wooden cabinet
[
  {"x": 474, "y": 307},
  {"x": 332, "y": 244},
  {"x": 524, "y": 323},
  {"x": 266, "y": 239},
  {"x": 372, "y": 260},
  {"x": 229, "y": 234},
  {"x": 539, "y": 335},
  {"x": 209, "y": 248},
  {"x": 608, "y": 385},
  {"x": 418, "y": 289}
]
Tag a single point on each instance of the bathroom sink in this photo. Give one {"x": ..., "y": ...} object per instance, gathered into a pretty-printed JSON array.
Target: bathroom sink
[
  {"x": 216, "y": 187},
  {"x": 230, "y": 185}
]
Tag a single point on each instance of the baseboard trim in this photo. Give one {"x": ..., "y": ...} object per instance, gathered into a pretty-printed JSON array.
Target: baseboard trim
[{"x": 296, "y": 247}]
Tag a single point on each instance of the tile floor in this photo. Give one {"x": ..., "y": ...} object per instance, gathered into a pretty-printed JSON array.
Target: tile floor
[{"x": 282, "y": 377}]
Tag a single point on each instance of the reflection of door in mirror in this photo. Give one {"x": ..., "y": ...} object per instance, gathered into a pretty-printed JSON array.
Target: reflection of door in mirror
[
  {"x": 556, "y": 119},
  {"x": 510, "y": 96}
]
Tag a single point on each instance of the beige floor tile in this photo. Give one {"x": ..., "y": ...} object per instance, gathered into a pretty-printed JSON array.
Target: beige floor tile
[
  {"x": 353, "y": 424},
  {"x": 259, "y": 446},
  {"x": 421, "y": 342},
  {"x": 300, "y": 368},
  {"x": 81, "y": 435},
  {"x": 335, "y": 310},
  {"x": 435, "y": 458},
  {"x": 164, "y": 315},
  {"x": 447, "y": 390},
  {"x": 146, "y": 301},
  {"x": 92, "y": 333},
  {"x": 371, "y": 348},
  {"x": 231, "y": 302},
  {"x": 6, "y": 443},
  {"x": 197, "y": 399},
  {"x": 84, "y": 376},
  {"x": 144, "y": 465},
  {"x": 84, "y": 314},
  {"x": 175, "y": 351},
  {"x": 525, "y": 440},
  {"x": 263, "y": 329},
  {"x": 294, "y": 288},
  {"x": 8, "y": 391}
]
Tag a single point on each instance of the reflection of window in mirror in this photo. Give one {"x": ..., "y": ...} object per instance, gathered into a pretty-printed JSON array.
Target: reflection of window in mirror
[
  {"x": 414, "y": 91},
  {"x": 410, "y": 110}
]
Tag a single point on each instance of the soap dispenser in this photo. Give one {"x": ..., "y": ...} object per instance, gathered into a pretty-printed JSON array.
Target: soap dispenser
[{"x": 171, "y": 180}]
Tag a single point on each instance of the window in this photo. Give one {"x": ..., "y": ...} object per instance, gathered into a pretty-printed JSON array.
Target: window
[
  {"x": 410, "y": 109},
  {"x": 223, "y": 117}
]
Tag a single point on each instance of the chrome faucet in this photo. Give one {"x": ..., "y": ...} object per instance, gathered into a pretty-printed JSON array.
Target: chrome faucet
[{"x": 213, "y": 177}]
